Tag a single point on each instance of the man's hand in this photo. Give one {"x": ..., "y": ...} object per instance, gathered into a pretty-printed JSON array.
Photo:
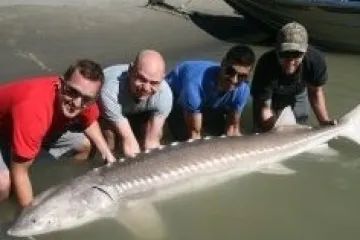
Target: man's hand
[
  {"x": 267, "y": 117},
  {"x": 127, "y": 140},
  {"x": 233, "y": 123},
  {"x": 130, "y": 147},
  {"x": 153, "y": 132},
  {"x": 328, "y": 122},
  {"x": 93, "y": 132},
  {"x": 109, "y": 158},
  {"x": 194, "y": 124}
]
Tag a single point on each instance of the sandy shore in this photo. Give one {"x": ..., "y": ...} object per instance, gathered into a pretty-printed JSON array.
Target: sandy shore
[{"x": 41, "y": 36}]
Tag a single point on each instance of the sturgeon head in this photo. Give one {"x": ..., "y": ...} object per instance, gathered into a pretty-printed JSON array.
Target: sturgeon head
[{"x": 62, "y": 207}]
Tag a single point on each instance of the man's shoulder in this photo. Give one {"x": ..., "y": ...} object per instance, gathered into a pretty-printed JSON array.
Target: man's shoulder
[
  {"x": 37, "y": 86},
  {"x": 197, "y": 64},
  {"x": 242, "y": 89},
  {"x": 314, "y": 60},
  {"x": 314, "y": 50},
  {"x": 114, "y": 71},
  {"x": 196, "y": 73},
  {"x": 268, "y": 56},
  {"x": 164, "y": 87},
  {"x": 113, "y": 76},
  {"x": 35, "y": 80},
  {"x": 116, "y": 68},
  {"x": 164, "y": 92},
  {"x": 314, "y": 54},
  {"x": 34, "y": 98},
  {"x": 43, "y": 78},
  {"x": 267, "y": 66}
]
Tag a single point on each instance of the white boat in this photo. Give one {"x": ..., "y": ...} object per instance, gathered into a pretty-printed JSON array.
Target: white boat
[{"x": 334, "y": 24}]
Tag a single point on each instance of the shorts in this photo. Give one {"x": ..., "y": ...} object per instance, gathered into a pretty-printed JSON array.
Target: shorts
[{"x": 64, "y": 144}]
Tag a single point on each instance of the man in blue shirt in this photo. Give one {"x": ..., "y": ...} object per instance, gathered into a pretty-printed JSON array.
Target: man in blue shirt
[{"x": 209, "y": 97}]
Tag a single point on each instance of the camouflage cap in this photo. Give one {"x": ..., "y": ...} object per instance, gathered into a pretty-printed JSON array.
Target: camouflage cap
[{"x": 292, "y": 37}]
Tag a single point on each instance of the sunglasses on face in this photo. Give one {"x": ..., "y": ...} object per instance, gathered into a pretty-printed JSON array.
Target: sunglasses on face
[
  {"x": 70, "y": 91},
  {"x": 230, "y": 71},
  {"x": 290, "y": 54}
]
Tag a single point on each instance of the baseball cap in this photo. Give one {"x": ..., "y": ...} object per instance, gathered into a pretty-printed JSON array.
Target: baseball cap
[{"x": 292, "y": 37}]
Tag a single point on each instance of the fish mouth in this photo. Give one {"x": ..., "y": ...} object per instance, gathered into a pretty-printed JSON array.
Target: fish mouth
[
  {"x": 23, "y": 234},
  {"x": 10, "y": 232},
  {"x": 14, "y": 233},
  {"x": 19, "y": 229},
  {"x": 6, "y": 230},
  {"x": 15, "y": 230}
]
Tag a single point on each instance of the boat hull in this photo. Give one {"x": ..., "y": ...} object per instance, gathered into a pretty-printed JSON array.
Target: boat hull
[{"x": 332, "y": 25}]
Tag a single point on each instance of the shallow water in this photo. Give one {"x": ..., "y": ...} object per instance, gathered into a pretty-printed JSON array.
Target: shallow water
[{"x": 320, "y": 201}]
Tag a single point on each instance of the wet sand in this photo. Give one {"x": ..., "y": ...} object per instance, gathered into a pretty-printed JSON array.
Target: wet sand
[{"x": 46, "y": 36}]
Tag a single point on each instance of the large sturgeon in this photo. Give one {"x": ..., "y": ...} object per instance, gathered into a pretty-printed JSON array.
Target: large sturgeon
[{"x": 127, "y": 190}]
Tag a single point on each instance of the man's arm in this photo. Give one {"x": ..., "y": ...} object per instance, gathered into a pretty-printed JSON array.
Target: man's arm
[
  {"x": 95, "y": 135},
  {"x": 263, "y": 114},
  {"x": 194, "y": 124},
  {"x": 19, "y": 172},
  {"x": 262, "y": 91},
  {"x": 129, "y": 144},
  {"x": 154, "y": 131},
  {"x": 233, "y": 124},
  {"x": 267, "y": 118},
  {"x": 318, "y": 103}
]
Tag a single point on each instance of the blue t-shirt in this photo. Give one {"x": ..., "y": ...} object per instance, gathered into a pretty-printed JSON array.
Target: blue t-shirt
[{"x": 194, "y": 86}]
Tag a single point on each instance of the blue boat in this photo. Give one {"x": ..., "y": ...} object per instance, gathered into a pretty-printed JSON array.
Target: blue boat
[{"x": 334, "y": 24}]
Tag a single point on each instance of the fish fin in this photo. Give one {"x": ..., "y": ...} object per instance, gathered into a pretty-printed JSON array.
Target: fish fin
[
  {"x": 352, "y": 123},
  {"x": 276, "y": 169},
  {"x": 286, "y": 118},
  {"x": 323, "y": 149},
  {"x": 142, "y": 219}
]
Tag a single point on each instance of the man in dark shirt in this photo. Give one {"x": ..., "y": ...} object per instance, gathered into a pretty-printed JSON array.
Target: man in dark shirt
[{"x": 290, "y": 75}]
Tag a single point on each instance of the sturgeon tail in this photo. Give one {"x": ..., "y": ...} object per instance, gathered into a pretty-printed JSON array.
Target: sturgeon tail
[{"x": 351, "y": 124}]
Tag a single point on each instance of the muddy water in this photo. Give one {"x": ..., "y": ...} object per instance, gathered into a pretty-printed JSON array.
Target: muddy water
[{"x": 319, "y": 201}]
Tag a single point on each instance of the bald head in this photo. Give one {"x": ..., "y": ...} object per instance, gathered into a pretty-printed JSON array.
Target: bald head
[
  {"x": 147, "y": 72},
  {"x": 151, "y": 64}
]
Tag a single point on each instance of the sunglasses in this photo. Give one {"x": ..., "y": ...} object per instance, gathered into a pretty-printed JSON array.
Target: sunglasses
[
  {"x": 73, "y": 93},
  {"x": 290, "y": 54},
  {"x": 230, "y": 71}
]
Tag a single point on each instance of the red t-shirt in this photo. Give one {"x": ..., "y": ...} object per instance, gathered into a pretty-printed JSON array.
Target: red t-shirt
[{"x": 29, "y": 112}]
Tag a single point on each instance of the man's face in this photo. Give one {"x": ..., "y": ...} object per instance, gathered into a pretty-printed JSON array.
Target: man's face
[
  {"x": 290, "y": 61},
  {"x": 232, "y": 75},
  {"x": 76, "y": 93},
  {"x": 144, "y": 82}
]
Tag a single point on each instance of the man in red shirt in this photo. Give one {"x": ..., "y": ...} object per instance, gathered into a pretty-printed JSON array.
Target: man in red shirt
[{"x": 37, "y": 112}]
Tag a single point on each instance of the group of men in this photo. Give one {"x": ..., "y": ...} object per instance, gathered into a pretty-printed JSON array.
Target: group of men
[{"x": 124, "y": 107}]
